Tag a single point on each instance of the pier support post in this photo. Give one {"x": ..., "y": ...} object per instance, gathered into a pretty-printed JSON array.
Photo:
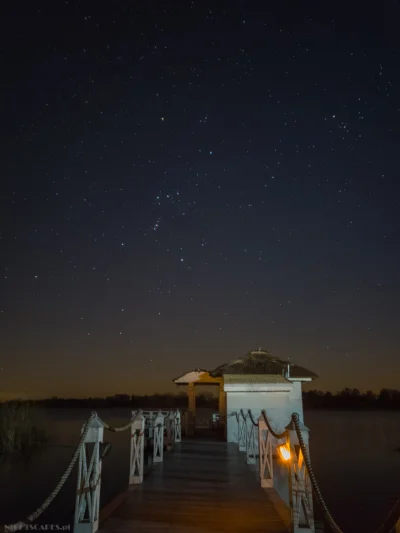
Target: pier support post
[
  {"x": 251, "y": 443},
  {"x": 300, "y": 489},
  {"x": 222, "y": 407},
  {"x": 158, "y": 443},
  {"x": 87, "y": 504},
  {"x": 150, "y": 419},
  {"x": 265, "y": 454},
  {"x": 191, "y": 392},
  {"x": 137, "y": 450},
  {"x": 171, "y": 430},
  {"x": 178, "y": 426},
  {"x": 192, "y": 398},
  {"x": 242, "y": 433}
]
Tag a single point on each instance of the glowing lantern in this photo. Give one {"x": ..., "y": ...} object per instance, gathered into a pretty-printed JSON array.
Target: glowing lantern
[{"x": 284, "y": 452}]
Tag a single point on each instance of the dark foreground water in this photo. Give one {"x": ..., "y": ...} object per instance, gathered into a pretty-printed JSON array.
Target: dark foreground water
[{"x": 352, "y": 454}]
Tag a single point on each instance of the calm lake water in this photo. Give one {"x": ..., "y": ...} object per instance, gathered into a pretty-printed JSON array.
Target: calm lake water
[{"x": 352, "y": 454}]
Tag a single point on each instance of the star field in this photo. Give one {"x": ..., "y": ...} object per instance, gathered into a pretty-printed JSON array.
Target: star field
[{"x": 184, "y": 184}]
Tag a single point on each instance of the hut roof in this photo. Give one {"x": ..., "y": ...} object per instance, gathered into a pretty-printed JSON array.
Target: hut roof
[
  {"x": 254, "y": 378},
  {"x": 261, "y": 362}
]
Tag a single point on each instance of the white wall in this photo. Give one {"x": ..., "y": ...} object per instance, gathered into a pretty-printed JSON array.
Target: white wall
[{"x": 278, "y": 405}]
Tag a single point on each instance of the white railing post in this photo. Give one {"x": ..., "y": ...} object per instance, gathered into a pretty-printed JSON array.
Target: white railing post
[
  {"x": 87, "y": 504},
  {"x": 265, "y": 454},
  {"x": 300, "y": 488},
  {"x": 241, "y": 433},
  {"x": 248, "y": 440},
  {"x": 170, "y": 430},
  {"x": 173, "y": 428},
  {"x": 137, "y": 450},
  {"x": 149, "y": 421},
  {"x": 178, "y": 426},
  {"x": 251, "y": 445},
  {"x": 158, "y": 443}
]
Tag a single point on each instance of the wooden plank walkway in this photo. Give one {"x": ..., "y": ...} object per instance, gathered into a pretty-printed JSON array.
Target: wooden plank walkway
[{"x": 201, "y": 487}]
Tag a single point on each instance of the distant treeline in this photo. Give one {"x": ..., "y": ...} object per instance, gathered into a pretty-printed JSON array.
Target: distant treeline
[
  {"x": 154, "y": 401},
  {"x": 352, "y": 399},
  {"x": 313, "y": 399}
]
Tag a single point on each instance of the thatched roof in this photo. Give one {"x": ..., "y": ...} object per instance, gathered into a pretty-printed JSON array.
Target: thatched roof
[
  {"x": 255, "y": 379},
  {"x": 197, "y": 376},
  {"x": 261, "y": 362}
]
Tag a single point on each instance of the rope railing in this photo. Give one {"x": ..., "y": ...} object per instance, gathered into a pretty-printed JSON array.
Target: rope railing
[
  {"x": 171, "y": 423},
  {"x": 252, "y": 419},
  {"x": 34, "y": 516},
  {"x": 327, "y": 515},
  {"x": 388, "y": 525},
  {"x": 264, "y": 415},
  {"x": 273, "y": 433},
  {"x": 391, "y": 521},
  {"x": 122, "y": 428},
  {"x": 24, "y": 524}
]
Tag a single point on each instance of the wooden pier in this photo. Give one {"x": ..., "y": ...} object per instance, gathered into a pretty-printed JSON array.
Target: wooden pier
[
  {"x": 202, "y": 487},
  {"x": 260, "y": 479},
  {"x": 260, "y": 483}
]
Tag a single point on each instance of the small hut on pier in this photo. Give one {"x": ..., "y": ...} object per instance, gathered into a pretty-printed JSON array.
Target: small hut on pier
[
  {"x": 256, "y": 381},
  {"x": 260, "y": 381}
]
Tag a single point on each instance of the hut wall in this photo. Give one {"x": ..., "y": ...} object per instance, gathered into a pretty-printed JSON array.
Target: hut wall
[{"x": 279, "y": 406}]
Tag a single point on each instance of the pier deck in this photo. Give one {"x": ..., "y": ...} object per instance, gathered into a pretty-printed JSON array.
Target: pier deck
[{"x": 201, "y": 487}]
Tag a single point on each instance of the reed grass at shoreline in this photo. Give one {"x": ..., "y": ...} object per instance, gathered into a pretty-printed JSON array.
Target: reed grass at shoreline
[{"x": 19, "y": 429}]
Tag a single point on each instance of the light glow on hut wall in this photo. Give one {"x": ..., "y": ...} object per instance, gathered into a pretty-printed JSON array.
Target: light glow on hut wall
[{"x": 284, "y": 452}]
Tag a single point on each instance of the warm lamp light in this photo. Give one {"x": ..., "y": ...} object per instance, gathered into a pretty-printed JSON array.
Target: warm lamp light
[{"x": 284, "y": 452}]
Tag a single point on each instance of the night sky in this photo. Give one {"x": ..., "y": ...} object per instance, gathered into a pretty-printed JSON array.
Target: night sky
[{"x": 183, "y": 182}]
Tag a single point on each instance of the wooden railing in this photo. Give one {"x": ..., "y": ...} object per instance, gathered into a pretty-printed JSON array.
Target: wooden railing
[
  {"x": 265, "y": 445},
  {"x": 163, "y": 427},
  {"x": 159, "y": 425},
  {"x": 261, "y": 443}
]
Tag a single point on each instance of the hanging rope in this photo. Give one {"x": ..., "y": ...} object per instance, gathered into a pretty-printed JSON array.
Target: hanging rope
[
  {"x": 236, "y": 415},
  {"x": 242, "y": 413},
  {"x": 122, "y": 428},
  {"x": 331, "y": 522},
  {"x": 388, "y": 525},
  {"x": 33, "y": 516},
  {"x": 252, "y": 419},
  {"x": 273, "y": 433}
]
